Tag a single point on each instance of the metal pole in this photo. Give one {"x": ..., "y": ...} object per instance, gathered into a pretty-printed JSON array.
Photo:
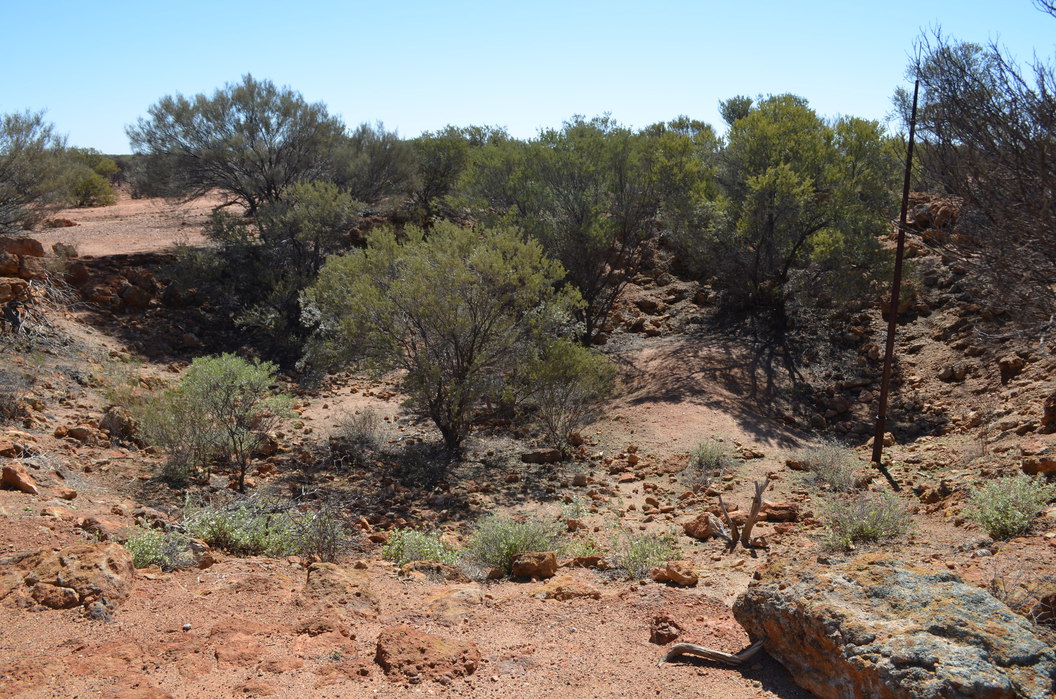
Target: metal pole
[{"x": 892, "y": 321}]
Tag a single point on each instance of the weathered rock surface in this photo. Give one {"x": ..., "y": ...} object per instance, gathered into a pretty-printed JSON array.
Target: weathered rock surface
[
  {"x": 335, "y": 584},
  {"x": 74, "y": 576},
  {"x": 534, "y": 564},
  {"x": 679, "y": 573},
  {"x": 15, "y": 477},
  {"x": 873, "y": 627},
  {"x": 704, "y": 526},
  {"x": 408, "y": 654},
  {"x": 565, "y": 587}
]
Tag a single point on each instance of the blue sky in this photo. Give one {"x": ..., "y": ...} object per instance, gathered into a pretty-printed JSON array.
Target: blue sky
[{"x": 416, "y": 66}]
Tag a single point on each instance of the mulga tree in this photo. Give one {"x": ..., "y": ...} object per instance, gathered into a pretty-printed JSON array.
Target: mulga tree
[{"x": 461, "y": 311}]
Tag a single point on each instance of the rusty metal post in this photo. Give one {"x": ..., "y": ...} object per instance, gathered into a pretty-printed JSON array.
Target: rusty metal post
[{"x": 892, "y": 321}]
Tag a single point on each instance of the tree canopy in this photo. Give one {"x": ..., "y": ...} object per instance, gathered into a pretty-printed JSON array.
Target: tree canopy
[{"x": 250, "y": 140}]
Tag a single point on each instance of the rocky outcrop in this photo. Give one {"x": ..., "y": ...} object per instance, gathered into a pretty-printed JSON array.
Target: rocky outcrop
[
  {"x": 873, "y": 627},
  {"x": 679, "y": 573},
  {"x": 335, "y": 584},
  {"x": 408, "y": 654},
  {"x": 74, "y": 576}
]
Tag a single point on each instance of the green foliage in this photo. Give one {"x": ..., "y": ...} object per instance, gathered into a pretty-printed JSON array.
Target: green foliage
[
  {"x": 459, "y": 311},
  {"x": 409, "y": 545},
  {"x": 1005, "y": 507},
  {"x": 92, "y": 189},
  {"x": 802, "y": 208},
  {"x": 586, "y": 193},
  {"x": 709, "y": 460},
  {"x": 173, "y": 421},
  {"x": 373, "y": 164},
  {"x": 167, "y": 550},
  {"x": 566, "y": 383},
  {"x": 31, "y": 170},
  {"x": 89, "y": 178},
  {"x": 634, "y": 554},
  {"x": 865, "y": 517},
  {"x": 832, "y": 465},
  {"x": 496, "y": 540},
  {"x": 236, "y": 395},
  {"x": 250, "y": 140},
  {"x": 248, "y": 527},
  {"x": 224, "y": 406}
]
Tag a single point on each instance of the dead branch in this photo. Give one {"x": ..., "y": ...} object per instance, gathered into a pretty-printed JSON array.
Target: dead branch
[
  {"x": 734, "y": 532},
  {"x": 681, "y": 649},
  {"x": 753, "y": 515}
]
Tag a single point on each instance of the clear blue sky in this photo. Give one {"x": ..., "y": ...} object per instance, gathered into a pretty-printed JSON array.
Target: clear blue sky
[{"x": 419, "y": 65}]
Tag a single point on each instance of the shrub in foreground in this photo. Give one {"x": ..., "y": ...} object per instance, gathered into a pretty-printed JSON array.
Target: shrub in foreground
[
  {"x": 1005, "y": 507},
  {"x": 496, "y": 540},
  {"x": 409, "y": 545},
  {"x": 708, "y": 461},
  {"x": 167, "y": 550},
  {"x": 866, "y": 517},
  {"x": 634, "y": 554}
]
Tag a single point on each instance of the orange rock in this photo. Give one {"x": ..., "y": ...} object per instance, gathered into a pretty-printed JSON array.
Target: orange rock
[
  {"x": 15, "y": 477},
  {"x": 534, "y": 564},
  {"x": 408, "y": 654}
]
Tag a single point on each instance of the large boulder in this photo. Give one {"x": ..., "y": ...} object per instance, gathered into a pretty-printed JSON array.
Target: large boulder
[{"x": 874, "y": 627}]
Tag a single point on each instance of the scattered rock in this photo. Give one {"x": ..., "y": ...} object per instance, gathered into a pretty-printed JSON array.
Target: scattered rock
[
  {"x": 107, "y": 529},
  {"x": 406, "y": 654},
  {"x": 21, "y": 246},
  {"x": 534, "y": 564},
  {"x": 433, "y": 570},
  {"x": 704, "y": 526},
  {"x": 119, "y": 423},
  {"x": 15, "y": 477},
  {"x": 580, "y": 480},
  {"x": 663, "y": 630},
  {"x": 1010, "y": 367},
  {"x": 1048, "y": 417},
  {"x": 565, "y": 587},
  {"x": 545, "y": 456},
  {"x": 872, "y": 627},
  {"x": 785, "y": 511},
  {"x": 679, "y": 573}
]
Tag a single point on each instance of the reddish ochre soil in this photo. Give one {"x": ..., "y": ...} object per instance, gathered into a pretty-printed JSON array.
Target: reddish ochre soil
[{"x": 239, "y": 627}]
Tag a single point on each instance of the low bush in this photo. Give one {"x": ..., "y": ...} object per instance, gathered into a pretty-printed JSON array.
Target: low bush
[
  {"x": 709, "y": 460},
  {"x": 409, "y": 545},
  {"x": 247, "y": 527},
  {"x": 496, "y": 540},
  {"x": 634, "y": 554},
  {"x": 354, "y": 439},
  {"x": 831, "y": 465},
  {"x": 167, "y": 550},
  {"x": 866, "y": 517},
  {"x": 324, "y": 534},
  {"x": 568, "y": 382},
  {"x": 13, "y": 388},
  {"x": 1005, "y": 507}
]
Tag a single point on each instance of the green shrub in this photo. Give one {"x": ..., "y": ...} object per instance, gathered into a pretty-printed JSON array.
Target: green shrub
[
  {"x": 634, "y": 554},
  {"x": 496, "y": 540},
  {"x": 323, "y": 533},
  {"x": 567, "y": 382},
  {"x": 866, "y": 517},
  {"x": 89, "y": 188},
  {"x": 1005, "y": 507},
  {"x": 708, "y": 460},
  {"x": 248, "y": 527},
  {"x": 408, "y": 545},
  {"x": 167, "y": 550},
  {"x": 831, "y": 465},
  {"x": 172, "y": 421}
]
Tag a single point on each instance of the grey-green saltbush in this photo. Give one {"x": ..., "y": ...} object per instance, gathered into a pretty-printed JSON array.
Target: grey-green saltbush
[
  {"x": 1005, "y": 507},
  {"x": 496, "y": 540}
]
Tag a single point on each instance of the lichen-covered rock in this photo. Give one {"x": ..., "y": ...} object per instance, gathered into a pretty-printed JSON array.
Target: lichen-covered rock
[{"x": 874, "y": 627}]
